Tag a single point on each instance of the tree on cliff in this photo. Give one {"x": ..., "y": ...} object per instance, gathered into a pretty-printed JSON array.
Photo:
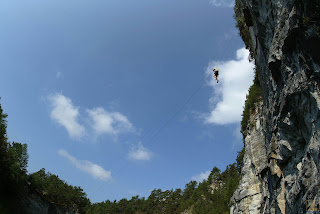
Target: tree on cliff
[
  {"x": 212, "y": 195},
  {"x": 13, "y": 168},
  {"x": 15, "y": 183},
  {"x": 58, "y": 191}
]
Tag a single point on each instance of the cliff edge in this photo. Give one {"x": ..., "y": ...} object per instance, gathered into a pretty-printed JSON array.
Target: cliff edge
[{"x": 282, "y": 139}]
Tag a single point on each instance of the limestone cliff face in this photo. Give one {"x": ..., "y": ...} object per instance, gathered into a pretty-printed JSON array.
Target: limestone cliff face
[
  {"x": 281, "y": 164},
  {"x": 34, "y": 204},
  {"x": 249, "y": 196},
  {"x": 31, "y": 202}
]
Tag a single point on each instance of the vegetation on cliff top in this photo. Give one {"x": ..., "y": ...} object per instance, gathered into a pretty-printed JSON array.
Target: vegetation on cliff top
[
  {"x": 243, "y": 21},
  {"x": 212, "y": 195},
  {"x": 16, "y": 184},
  {"x": 254, "y": 96},
  {"x": 55, "y": 190},
  {"x": 13, "y": 163}
]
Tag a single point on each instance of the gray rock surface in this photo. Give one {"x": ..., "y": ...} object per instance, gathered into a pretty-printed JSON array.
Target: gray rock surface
[
  {"x": 281, "y": 172},
  {"x": 33, "y": 203},
  {"x": 249, "y": 195}
]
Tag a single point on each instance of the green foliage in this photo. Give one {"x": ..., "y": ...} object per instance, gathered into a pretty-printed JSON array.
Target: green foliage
[
  {"x": 15, "y": 182},
  {"x": 134, "y": 206},
  {"x": 239, "y": 160},
  {"x": 211, "y": 196},
  {"x": 255, "y": 95},
  {"x": 13, "y": 164},
  {"x": 3, "y": 126},
  {"x": 243, "y": 20},
  {"x": 241, "y": 24},
  {"x": 3, "y": 142},
  {"x": 57, "y": 191},
  {"x": 163, "y": 201},
  {"x": 18, "y": 161}
]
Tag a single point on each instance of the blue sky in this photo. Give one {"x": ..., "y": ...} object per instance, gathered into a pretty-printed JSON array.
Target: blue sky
[{"x": 95, "y": 87}]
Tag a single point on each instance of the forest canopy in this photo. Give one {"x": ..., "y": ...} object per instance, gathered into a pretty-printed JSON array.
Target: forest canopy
[{"x": 212, "y": 195}]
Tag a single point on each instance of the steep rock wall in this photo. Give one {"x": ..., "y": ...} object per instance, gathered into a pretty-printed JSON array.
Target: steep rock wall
[
  {"x": 249, "y": 196},
  {"x": 281, "y": 172}
]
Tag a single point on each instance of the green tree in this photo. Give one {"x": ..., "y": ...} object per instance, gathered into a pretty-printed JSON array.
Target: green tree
[
  {"x": 3, "y": 145},
  {"x": 18, "y": 161},
  {"x": 4, "y": 158},
  {"x": 239, "y": 160},
  {"x": 13, "y": 163},
  {"x": 58, "y": 191}
]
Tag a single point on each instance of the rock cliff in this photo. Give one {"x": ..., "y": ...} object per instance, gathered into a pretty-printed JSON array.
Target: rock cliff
[
  {"x": 34, "y": 203},
  {"x": 281, "y": 162},
  {"x": 31, "y": 202}
]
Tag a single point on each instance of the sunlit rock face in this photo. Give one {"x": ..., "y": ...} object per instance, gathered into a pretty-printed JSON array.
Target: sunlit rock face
[
  {"x": 281, "y": 171},
  {"x": 248, "y": 198}
]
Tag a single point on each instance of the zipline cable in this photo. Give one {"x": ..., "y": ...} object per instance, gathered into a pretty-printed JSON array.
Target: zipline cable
[
  {"x": 186, "y": 102},
  {"x": 202, "y": 81},
  {"x": 168, "y": 113}
]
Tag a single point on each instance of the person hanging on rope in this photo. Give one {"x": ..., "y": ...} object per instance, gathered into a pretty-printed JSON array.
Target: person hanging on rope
[{"x": 216, "y": 74}]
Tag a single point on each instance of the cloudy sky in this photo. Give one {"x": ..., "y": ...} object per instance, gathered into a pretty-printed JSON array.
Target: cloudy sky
[{"x": 107, "y": 93}]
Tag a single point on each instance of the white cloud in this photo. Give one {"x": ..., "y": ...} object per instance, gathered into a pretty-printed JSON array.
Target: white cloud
[
  {"x": 101, "y": 121},
  {"x": 139, "y": 152},
  {"x": 105, "y": 122},
  {"x": 222, "y": 3},
  {"x": 65, "y": 114},
  {"x": 58, "y": 74},
  {"x": 235, "y": 78},
  {"x": 88, "y": 167},
  {"x": 202, "y": 176}
]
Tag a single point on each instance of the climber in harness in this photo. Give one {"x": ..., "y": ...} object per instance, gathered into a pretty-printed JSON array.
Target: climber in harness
[{"x": 216, "y": 74}]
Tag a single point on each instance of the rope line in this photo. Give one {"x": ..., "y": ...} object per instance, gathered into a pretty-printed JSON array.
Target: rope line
[
  {"x": 170, "y": 110},
  {"x": 184, "y": 104},
  {"x": 201, "y": 82}
]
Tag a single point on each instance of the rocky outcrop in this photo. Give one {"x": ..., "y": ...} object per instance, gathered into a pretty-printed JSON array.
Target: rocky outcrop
[
  {"x": 281, "y": 172},
  {"x": 35, "y": 204},
  {"x": 249, "y": 195},
  {"x": 31, "y": 202}
]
